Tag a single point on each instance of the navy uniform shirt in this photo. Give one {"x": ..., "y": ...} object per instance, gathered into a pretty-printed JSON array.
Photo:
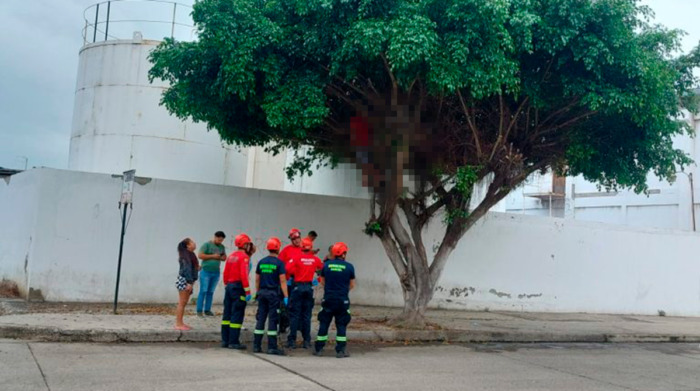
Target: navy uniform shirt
[
  {"x": 270, "y": 269},
  {"x": 337, "y": 274}
]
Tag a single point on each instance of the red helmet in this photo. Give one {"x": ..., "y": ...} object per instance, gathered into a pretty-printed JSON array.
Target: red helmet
[
  {"x": 294, "y": 233},
  {"x": 307, "y": 244},
  {"x": 339, "y": 249},
  {"x": 274, "y": 244},
  {"x": 241, "y": 240}
]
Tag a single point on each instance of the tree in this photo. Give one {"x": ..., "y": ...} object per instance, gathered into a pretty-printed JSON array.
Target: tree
[{"x": 432, "y": 97}]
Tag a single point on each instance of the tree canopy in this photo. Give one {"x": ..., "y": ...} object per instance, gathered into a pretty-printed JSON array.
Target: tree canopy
[{"x": 446, "y": 92}]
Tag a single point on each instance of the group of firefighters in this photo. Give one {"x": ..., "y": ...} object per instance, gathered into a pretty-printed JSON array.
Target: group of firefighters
[{"x": 284, "y": 281}]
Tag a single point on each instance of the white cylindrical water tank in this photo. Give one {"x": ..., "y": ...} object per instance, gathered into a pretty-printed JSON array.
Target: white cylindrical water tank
[{"x": 119, "y": 124}]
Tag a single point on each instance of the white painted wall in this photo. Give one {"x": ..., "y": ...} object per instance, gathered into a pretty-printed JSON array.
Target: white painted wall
[
  {"x": 19, "y": 196},
  {"x": 562, "y": 265},
  {"x": 119, "y": 125}
]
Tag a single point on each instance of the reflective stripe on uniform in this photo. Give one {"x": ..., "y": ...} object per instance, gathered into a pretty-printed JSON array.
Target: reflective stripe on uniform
[
  {"x": 322, "y": 338},
  {"x": 236, "y": 325},
  {"x": 272, "y": 333},
  {"x": 259, "y": 332},
  {"x": 341, "y": 339},
  {"x": 225, "y": 322},
  {"x": 243, "y": 298}
]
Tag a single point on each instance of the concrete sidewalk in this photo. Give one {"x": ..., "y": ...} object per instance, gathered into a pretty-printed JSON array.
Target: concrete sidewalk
[{"x": 369, "y": 324}]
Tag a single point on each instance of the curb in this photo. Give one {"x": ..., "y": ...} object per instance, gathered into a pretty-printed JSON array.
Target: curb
[{"x": 48, "y": 334}]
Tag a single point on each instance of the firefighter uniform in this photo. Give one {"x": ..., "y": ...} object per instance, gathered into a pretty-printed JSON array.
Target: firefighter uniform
[
  {"x": 237, "y": 294},
  {"x": 286, "y": 255},
  {"x": 269, "y": 270},
  {"x": 338, "y": 276},
  {"x": 302, "y": 269}
]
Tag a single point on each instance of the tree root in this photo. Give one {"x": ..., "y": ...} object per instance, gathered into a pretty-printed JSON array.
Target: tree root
[{"x": 413, "y": 320}]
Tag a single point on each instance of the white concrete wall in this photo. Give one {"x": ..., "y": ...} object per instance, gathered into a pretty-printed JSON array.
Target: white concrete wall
[
  {"x": 508, "y": 262},
  {"x": 19, "y": 196},
  {"x": 119, "y": 125}
]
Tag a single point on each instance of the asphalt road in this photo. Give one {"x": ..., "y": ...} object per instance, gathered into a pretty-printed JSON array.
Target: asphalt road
[{"x": 171, "y": 367}]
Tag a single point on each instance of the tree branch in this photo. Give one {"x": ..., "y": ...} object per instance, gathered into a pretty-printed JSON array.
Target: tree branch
[
  {"x": 515, "y": 117},
  {"x": 394, "y": 84},
  {"x": 416, "y": 226},
  {"x": 475, "y": 132}
]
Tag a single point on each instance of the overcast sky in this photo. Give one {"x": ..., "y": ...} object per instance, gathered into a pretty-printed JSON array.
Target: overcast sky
[{"x": 39, "y": 61}]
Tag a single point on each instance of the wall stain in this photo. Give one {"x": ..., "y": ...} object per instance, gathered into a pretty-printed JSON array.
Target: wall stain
[
  {"x": 35, "y": 295},
  {"x": 499, "y": 294},
  {"x": 457, "y": 292},
  {"x": 524, "y": 296}
]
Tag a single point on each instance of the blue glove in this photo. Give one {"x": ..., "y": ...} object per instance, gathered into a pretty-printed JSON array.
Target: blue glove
[
  {"x": 314, "y": 282},
  {"x": 286, "y": 301},
  {"x": 247, "y": 297},
  {"x": 289, "y": 282}
]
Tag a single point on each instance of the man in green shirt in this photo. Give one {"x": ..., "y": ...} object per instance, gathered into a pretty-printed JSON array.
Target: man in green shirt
[{"x": 212, "y": 254}]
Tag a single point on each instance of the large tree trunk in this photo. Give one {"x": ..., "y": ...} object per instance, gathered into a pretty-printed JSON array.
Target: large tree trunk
[
  {"x": 417, "y": 277},
  {"x": 417, "y": 293},
  {"x": 405, "y": 249}
]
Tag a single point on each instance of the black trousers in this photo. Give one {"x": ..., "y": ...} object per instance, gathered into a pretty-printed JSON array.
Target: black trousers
[
  {"x": 284, "y": 312},
  {"x": 300, "y": 308},
  {"x": 268, "y": 310},
  {"x": 234, "y": 312},
  {"x": 338, "y": 309}
]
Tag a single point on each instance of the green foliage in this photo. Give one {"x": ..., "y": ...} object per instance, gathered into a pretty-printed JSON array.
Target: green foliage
[
  {"x": 454, "y": 215},
  {"x": 465, "y": 179},
  {"x": 373, "y": 228},
  {"x": 590, "y": 86}
]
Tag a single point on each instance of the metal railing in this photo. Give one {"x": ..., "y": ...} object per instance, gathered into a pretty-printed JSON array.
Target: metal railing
[{"x": 99, "y": 19}]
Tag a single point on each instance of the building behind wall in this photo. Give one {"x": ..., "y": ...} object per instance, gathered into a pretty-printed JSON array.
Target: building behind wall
[
  {"x": 664, "y": 205},
  {"x": 119, "y": 124}
]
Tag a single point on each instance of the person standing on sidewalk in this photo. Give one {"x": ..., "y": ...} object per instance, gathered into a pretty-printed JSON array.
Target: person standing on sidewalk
[
  {"x": 338, "y": 279},
  {"x": 288, "y": 253},
  {"x": 294, "y": 249},
  {"x": 212, "y": 253},
  {"x": 270, "y": 282},
  {"x": 303, "y": 270},
  {"x": 237, "y": 292},
  {"x": 186, "y": 278}
]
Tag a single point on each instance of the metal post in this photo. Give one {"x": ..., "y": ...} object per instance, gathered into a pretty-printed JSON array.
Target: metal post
[
  {"x": 172, "y": 29},
  {"x": 121, "y": 250},
  {"x": 109, "y": 5},
  {"x": 94, "y": 30},
  {"x": 692, "y": 199}
]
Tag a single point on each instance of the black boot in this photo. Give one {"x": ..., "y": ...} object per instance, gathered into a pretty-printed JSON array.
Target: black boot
[
  {"x": 318, "y": 348},
  {"x": 257, "y": 343},
  {"x": 224, "y": 335},
  {"x": 272, "y": 347},
  {"x": 342, "y": 353},
  {"x": 234, "y": 340},
  {"x": 291, "y": 344},
  {"x": 306, "y": 344}
]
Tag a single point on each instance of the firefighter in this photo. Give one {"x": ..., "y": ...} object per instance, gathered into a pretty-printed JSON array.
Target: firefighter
[
  {"x": 303, "y": 270},
  {"x": 237, "y": 292},
  {"x": 269, "y": 281},
  {"x": 290, "y": 251},
  {"x": 338, "y": 279},
  {"x": 294, "y": 249}
]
